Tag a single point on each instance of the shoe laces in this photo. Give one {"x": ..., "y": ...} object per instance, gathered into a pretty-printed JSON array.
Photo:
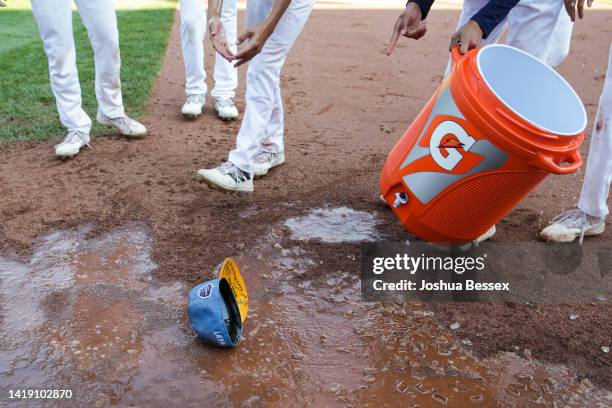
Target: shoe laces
[
  {"x": 195, "y": 98},
  {"x": 225, "y": 103},
  {"x": 234, "y": 172},
  {"x": 125, "y": 122},
  {"x": 264, "y": 157},
  {"x": 76, "y": 136},
  {"x": 575, "y": 218}
]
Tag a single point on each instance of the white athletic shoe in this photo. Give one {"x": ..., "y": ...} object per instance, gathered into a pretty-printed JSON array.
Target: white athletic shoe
[
  {"x": 193, "y": 106},
  {"x": 490, "y": 232},
  {"x": 573, "y": 224},
  {"x": 226, "y": 109},
  {"x": 125, "y": 125},
  {"x": 72, "y": 144},
  {"x": 264, "y": 161},
  {"x": 227, "y": 177}
]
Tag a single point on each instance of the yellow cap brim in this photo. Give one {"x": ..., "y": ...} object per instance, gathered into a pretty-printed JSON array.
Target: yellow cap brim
[{"x": 231, "y": 273}]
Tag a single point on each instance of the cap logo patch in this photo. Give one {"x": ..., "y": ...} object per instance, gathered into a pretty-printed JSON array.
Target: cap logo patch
[{"x": 205, "y": 291}]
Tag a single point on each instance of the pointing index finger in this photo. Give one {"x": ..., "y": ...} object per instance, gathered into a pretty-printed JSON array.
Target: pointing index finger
[{"x": 393, "y": 42}]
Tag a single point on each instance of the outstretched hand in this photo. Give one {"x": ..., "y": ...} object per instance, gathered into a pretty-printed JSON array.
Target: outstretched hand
[
  {"x": 573, "y": 6},
  {"x": 218, "y": 39},
  {"x": 254, "y": 39},
  {"x": 409, "y": 25},
  {"x": 467, "y": 37},
  {"x": 2, "y": 3}
]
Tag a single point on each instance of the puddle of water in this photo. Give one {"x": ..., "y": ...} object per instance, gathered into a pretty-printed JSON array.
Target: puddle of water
[
  {"x": 79, "y": 313},
  {"x": 86, "y": 315},
  {"x": 313, "y": 342},
  {"x": 334, "y": 225}
]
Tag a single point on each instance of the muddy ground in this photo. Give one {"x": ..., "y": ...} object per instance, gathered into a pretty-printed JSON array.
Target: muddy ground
[{"x": 346, "y": 104}]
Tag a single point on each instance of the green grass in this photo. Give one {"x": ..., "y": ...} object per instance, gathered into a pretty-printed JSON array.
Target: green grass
[{"x": 27, "y": 106}]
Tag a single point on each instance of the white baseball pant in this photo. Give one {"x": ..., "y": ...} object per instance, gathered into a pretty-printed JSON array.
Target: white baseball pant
[
  {"x": 54, "y": 18},
  {"x": 193, "y": 32},
  {"x": 262, "y": 127},
  {"x": 541, "y": 28},
  {"x": 598, "y": 175}
]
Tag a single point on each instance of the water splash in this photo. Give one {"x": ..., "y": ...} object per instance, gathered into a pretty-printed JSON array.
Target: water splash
[{"x": 334, "y": 225}]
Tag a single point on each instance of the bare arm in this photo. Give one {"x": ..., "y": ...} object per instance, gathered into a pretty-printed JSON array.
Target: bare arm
[
  {"x": 216, "y": 30},
  {"x": 2, "y": 3},
  {"x": 259, "y": 34},
  {"x": 214, "y": 8}
]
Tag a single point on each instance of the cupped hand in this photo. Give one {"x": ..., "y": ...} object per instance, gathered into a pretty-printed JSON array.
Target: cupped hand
[
  {"x": 218, "y": 38},
  {"x": 253, "y": 40}
]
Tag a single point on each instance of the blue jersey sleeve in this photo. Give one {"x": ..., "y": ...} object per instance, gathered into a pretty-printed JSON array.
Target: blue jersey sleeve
[
  {"x": 424, "y": 5},
  {"x": 492, "y": 14}
]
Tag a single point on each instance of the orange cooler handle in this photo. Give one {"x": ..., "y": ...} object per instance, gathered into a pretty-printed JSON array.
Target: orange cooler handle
[
  {"x": 566, "y": 166},
  {"x": 455, "y": 56}
]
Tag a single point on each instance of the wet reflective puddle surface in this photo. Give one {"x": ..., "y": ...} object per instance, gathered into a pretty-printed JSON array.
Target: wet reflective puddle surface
[
  {"x": 334, "y": 225},
  {"x": 86, "y": 314}
]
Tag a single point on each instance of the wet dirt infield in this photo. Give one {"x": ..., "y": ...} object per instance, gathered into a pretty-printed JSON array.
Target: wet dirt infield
[{"x": 111, "y": 241}]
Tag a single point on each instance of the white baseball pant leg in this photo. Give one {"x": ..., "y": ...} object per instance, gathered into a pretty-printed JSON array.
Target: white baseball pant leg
[
  {"x": 193, "y": 33},
  {"x": 598, "y": 175},
  {"x": 262, "y": 127},
  {"x": 54, "y": 18},
  {"x": 541, "y": 28},
  {"x": 558, "y": 47}
]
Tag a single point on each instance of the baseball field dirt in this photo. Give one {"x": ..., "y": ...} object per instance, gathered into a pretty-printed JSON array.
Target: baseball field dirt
[{"x": 309, "y": 341}]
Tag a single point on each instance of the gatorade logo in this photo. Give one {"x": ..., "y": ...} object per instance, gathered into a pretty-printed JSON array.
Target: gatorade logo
[
  {"x": 450, "y": 142},
  {"x": 206, "y": 291},
  {"x": 449, "y": 136}
]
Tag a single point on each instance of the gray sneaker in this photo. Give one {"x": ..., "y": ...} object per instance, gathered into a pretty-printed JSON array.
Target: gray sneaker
[
  {"x": 573, "y": 224},
  {"x": 125, "y": 125},
  {"x": 227, "y": 177},
  {"x": 264, "y": 161}
]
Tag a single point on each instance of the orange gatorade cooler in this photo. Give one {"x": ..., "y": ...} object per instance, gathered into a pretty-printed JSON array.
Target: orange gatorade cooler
[{"x": 499, "y": 123}]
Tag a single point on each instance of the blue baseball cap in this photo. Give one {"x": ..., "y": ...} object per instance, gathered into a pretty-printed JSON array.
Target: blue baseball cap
[{"x": 214, "y": 314}]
